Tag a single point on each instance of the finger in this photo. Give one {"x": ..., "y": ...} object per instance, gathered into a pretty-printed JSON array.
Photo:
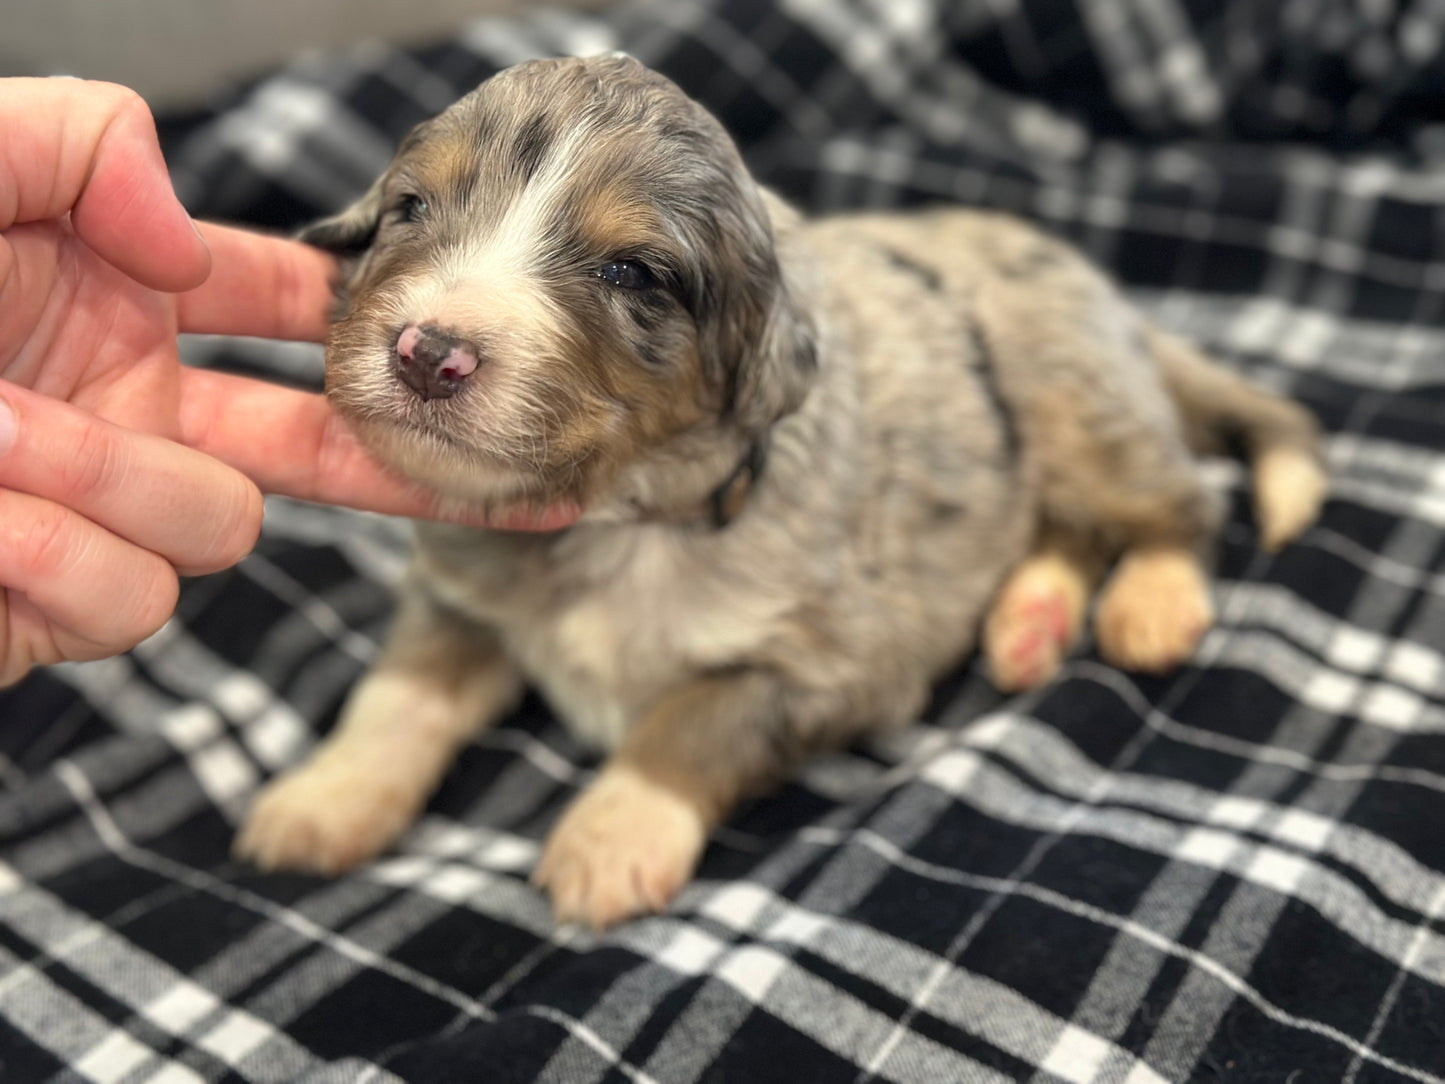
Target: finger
[
  {"x": 86, "y": 593},
  {"x": 90, "y": 149},
  {"x": 194, "y": 511},
  {"x": 289, "y": 442},
  {"x": 292, "y": 442},
  {"x": 260, "y": 285}
]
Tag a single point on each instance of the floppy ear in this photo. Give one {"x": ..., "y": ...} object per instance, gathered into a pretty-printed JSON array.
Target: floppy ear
[
  {"x": 764, "y": 341},
  {"x": 350, "y": 232},
  {"x": 777, "y": 367}
]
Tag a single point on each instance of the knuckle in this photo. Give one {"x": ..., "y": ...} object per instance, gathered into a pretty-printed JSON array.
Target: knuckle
[
  {"x": 49, "y": 546},
  {"x": 121, "y": 101},
  {"x": 43, "y": 542},
  {"x": 93, "y": 465}
]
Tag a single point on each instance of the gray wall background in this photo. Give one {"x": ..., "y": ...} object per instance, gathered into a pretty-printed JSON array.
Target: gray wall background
[{"x": 175, "y": 51}]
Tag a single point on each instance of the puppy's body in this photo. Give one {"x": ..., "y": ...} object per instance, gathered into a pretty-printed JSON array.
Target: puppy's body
[{"x": 810, "y": 454}]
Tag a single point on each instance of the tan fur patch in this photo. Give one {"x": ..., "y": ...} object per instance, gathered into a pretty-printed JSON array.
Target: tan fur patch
[
  {"x": 1154, "y": 609},
  {"x": 616, "y": 221}
]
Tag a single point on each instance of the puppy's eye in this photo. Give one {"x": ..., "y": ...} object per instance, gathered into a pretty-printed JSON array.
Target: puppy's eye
[
  {"x": 410, "y": 208},
  {"x": 627, "y": 274}
]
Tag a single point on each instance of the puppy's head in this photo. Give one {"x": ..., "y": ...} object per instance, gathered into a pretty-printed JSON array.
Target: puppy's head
[{"x": 566, "y": 268}]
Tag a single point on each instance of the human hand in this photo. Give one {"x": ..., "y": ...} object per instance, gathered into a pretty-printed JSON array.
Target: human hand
[
  {"x": 99, "y": 507},
  {"x": 102, "y": 501}
]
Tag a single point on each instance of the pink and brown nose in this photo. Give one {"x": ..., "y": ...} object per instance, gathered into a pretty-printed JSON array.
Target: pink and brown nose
[{"x": 433, "y": 362}]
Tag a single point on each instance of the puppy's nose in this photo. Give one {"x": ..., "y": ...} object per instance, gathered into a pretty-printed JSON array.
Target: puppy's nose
[{"x": 433, "y": 362}]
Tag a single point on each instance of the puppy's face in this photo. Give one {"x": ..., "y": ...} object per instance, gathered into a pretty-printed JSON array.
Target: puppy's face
[{"x": 564, "y": 269}]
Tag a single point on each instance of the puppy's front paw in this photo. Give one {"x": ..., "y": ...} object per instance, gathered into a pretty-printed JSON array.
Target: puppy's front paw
[
  {"x": 1033, "y": 622},
  {"x": 1154, "y": 611},
  {"x": 623, "y": 848},
  {"x": 323, "y": 818}
]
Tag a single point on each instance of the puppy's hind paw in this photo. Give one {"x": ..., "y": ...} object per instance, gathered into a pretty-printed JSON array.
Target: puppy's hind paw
[
  {"x": 1033, "y": 622},
  {"x": 320, "y": 819},
  {"x": 1154, "y": 610},
  {"x": 623, "y": 848}
]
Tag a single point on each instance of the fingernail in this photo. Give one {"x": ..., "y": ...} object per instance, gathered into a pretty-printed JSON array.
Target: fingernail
[
  {"x": 199, "y": 235},
  {"x": 8, "y": 427}
]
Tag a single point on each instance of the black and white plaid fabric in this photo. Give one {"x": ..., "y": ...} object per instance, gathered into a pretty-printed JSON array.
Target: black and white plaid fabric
[{"x": 1236, "y": 873}]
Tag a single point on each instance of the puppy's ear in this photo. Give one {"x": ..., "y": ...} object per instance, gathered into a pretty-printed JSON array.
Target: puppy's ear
[
  {"x": 777, "y": 367},
  {"x": 765, "y": 340},
  {"x": 350, "y": 232}
]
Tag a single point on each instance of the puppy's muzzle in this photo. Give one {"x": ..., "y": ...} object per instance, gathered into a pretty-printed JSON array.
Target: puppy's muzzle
[{"x": 433, "y": 362}]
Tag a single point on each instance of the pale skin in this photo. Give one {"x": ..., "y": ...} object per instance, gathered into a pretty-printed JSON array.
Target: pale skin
[{"x": 121, "y": 469}]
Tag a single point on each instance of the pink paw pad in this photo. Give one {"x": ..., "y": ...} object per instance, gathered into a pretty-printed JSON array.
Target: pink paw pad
[{"x": 1026, "y": 638}]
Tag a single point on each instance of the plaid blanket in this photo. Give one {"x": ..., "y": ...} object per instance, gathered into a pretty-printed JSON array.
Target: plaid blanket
[{"x": 1233, "y": 873}]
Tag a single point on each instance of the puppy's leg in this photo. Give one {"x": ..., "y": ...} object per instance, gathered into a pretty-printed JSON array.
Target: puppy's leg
[
  {"x": 439, "y": 680},
  {"x": 1126, "y": 482},
  {"x": 1281, "y": 441},
  {"x": 1038, "y": 614},
  {"x": 631, "y": 840},
  {"x": 1157, "y": 605},
  {"x": 1115, "y": 467}
]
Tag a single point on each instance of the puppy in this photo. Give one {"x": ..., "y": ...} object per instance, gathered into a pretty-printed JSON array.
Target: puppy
[{"x": 806, "y": 465}]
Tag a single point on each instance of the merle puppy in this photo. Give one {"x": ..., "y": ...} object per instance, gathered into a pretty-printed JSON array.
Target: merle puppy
[{"x": 811, "y": 465}]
